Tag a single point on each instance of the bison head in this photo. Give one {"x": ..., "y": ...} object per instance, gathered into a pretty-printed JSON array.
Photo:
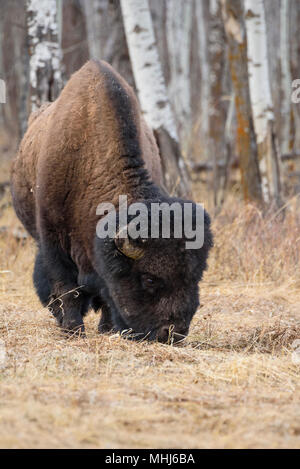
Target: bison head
[{"x": 151, "y": 284}]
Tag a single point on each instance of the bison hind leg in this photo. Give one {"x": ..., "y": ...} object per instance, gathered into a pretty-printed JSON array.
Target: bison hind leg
[
  {"x": 105, "y": 323},
  {"x": 40, "y": 280}
]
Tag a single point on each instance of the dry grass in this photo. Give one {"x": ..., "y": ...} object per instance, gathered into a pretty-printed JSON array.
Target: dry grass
[
  {"x": 232, "y": 384},
  {"x": 257, "y": 248}
]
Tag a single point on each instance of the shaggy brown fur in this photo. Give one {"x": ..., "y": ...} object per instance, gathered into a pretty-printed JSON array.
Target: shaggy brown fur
[{"x": 63, "y": 140}]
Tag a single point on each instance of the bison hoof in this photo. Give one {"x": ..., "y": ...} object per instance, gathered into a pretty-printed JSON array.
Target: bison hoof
[{"x": 105, "y": 327}]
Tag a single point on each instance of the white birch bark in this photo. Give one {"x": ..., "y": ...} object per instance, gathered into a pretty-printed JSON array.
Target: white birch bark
[
  {"x": 261, "y": 99},
  {"x": 45, "y": 54},
  {"x": 146, "y": 66},
  {"x": 272, "y": 15},
  {"x": 286, "y": 79},
  {"x": 178, "y": 32},
  {"x": 258, "y": 67},
  {"x": 151, "y": 86},
  {"x": 60, "y": 21}
]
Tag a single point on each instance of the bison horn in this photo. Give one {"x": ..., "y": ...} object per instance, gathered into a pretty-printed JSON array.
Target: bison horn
[{"x": 126, "y": 248}]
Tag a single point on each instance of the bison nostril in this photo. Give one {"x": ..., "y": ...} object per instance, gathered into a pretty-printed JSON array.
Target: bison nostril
[{"x": 165, "y": 333}]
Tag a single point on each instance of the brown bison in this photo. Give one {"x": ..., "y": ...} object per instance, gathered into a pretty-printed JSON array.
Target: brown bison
[{"x": 88, "y": 147}]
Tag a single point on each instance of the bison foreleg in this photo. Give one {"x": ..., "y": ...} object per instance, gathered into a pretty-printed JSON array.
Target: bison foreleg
[
  {"x": 68, "y": 308},
  {"x": 55, "y": 280}
]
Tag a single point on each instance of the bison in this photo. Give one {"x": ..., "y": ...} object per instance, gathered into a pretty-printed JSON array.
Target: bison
[{"x": 88, "y": 147}]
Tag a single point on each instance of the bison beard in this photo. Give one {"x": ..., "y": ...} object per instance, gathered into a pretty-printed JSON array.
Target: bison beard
[{"x": 88, "y": 147}]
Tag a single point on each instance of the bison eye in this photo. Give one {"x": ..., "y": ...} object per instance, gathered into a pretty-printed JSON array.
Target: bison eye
[{"x": 149, "y": 283}]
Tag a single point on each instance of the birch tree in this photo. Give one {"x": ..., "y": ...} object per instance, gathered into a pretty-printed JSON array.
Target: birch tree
[
  {"x": 159, "y": 20},
  {"x": 152, "y": 91},
  {"x": 286, "y": 79},
  {"x": 45, "y": 54},
  {"x": 178, "y": 32},
  {"x": 272, "y": 16},
  {"x": 245, "y": 135},
  {"x": 261, "y": 99}
]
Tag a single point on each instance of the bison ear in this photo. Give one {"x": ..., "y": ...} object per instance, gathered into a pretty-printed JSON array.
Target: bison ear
[{"x": 125, "y": 247}]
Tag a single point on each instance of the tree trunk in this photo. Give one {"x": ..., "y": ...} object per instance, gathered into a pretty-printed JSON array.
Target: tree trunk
[
  {"x": 295, "y": 66},
  {"x": 13, "y": 63},
  {"x": 245, "y": 135},
  {"x": 94, "y": 18},
  {"x": 23, "y": 110},
  {"x": 272, "y": 16},
  {"x": 2, "y": 81},
  {"x": 286, "y": 79},
  {"x": 217, "y": 112},
  {"x": 106, "y": 36},
  {"x": 73, "y": 36},
  {"x": 158, "y": 11},
  {"x": 261, "y": 100},
  {"x": 178, "y": 31},
  {"x": 152, "y": 91},
  {"x": 295, "y": 70},
  {"x": 45, "y": 54}
]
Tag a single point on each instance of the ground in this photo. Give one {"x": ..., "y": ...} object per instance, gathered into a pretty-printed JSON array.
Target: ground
[{"x": 234, "y": 383}]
